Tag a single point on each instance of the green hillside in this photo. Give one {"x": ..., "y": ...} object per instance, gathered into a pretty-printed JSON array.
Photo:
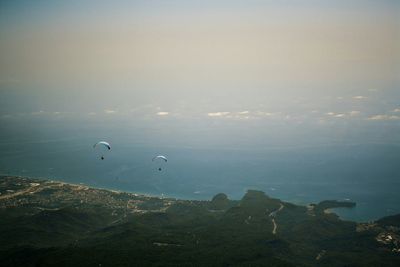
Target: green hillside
[{"x": 45, "y": 223}]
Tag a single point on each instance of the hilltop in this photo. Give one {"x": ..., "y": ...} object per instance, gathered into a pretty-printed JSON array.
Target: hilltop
[{"x": 53, "y": 223}]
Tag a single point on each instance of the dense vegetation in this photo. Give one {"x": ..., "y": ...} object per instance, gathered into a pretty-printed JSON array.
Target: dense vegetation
[{"x": 221, "y": 232}]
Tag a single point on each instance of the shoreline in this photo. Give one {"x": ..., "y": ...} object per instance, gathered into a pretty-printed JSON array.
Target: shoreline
[{"x": 183, "y": 198}]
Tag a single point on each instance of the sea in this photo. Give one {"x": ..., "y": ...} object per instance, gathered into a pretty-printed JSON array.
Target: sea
[{"x": 200, "y": 167}]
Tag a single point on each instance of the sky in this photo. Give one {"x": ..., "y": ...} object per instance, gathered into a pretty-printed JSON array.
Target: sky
[{"x": 281, "y": 68}]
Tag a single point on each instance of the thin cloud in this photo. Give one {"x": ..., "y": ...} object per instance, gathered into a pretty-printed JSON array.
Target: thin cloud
[
  {"x": 340, "y": 115},
  {"x": 396, "y": 110},
  {"x": 359, "y": 97},
  {"x": 266, "y": 114},
  {"x": 354, "y": 113},
  {"x": 162, "y": 113},
  {"x": 383, "y": 117},
  {"x": 239, "y": 115},
  {"x": 110, "y": 111},
  {"x": 218, "y": 114}
]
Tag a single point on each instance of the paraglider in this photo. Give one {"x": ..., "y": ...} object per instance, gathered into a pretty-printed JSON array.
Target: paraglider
[
  {"x": 103, "y": 145},
  {"x": 159, "y": 158}
]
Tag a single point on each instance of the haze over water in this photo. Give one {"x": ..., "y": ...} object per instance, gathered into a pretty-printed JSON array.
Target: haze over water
[{"x": 299, "y": 99}]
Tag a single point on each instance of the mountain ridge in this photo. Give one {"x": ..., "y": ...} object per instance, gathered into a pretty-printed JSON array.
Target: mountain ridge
[{"x": 52, "y": 223}]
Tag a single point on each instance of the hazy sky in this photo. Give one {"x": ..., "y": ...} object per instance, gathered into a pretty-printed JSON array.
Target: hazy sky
[{"x": 282, "y": 61}]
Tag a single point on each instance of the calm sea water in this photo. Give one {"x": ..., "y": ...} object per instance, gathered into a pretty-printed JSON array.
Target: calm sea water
[{"x": 364, "y": 173}]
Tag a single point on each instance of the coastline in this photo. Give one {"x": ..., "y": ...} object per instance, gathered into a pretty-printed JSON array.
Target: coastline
[{"x": 331, "y": 210}]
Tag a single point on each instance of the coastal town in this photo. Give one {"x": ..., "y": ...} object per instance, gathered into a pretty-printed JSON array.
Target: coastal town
[{"x": 46, "y": 194}]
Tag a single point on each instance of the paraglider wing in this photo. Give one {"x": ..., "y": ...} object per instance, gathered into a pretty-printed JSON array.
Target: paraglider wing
[
  {"x": 160, "y": 157},
  {"x": 104, "y": 143}
]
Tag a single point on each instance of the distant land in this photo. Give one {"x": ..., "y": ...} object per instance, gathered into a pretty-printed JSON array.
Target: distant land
[{"x": 51, "y": 223}]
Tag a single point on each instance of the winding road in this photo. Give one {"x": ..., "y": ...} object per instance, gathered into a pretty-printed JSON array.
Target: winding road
[{"x": 272, "y": 215}]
